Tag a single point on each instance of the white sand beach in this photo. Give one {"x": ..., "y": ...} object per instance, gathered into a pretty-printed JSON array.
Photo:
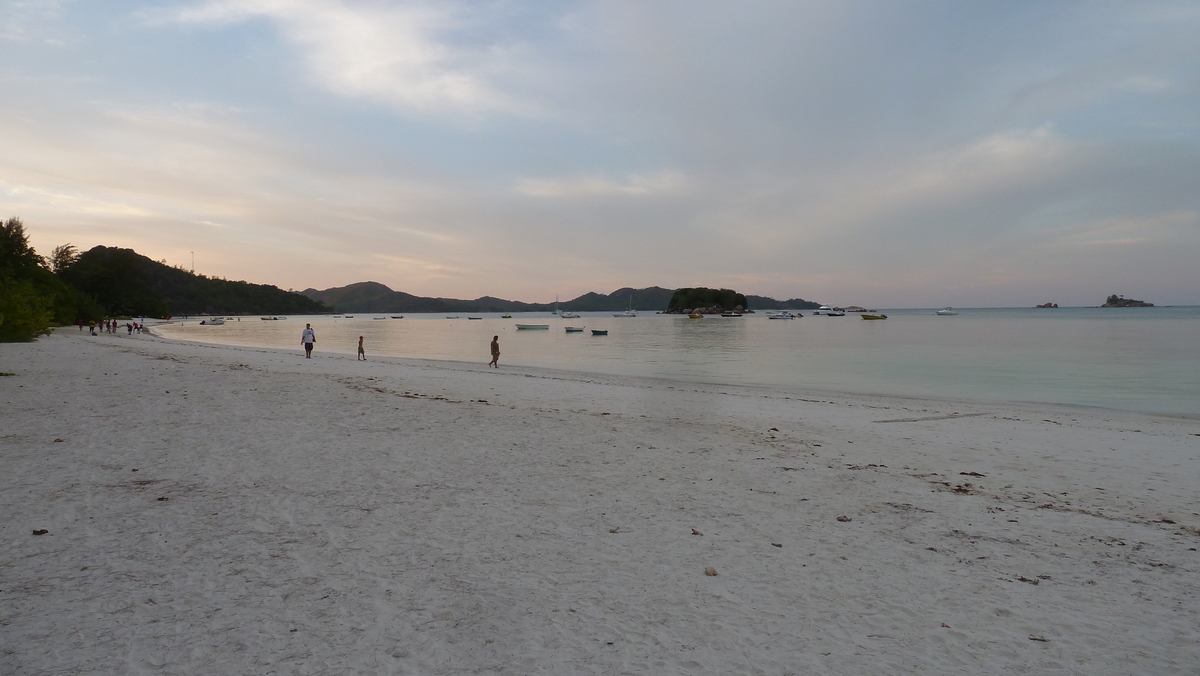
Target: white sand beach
[{"x": 224, "y": 510}]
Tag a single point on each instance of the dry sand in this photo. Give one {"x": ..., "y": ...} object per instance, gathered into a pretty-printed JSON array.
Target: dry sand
[{"x": 219, "y": 510}]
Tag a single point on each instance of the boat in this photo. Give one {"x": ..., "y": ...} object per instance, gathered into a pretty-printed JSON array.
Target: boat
[
  {"x": 212, "y": 321},
  {"x": 599, "y": 332},
  {"x": 349, "y": 316},
  {"x": 378, "y": 317},
  {"x": 567, "y": 314},
  {"x": 731, "y": 314},
  {"x": 874, "y": 316},
  {"x": 505, "y": 316},
  {"x": 451, "y": 316},
  {"x": 834, "y": 313},
  {"x": 526, "y": 327},
  {"x": 575, "y": 329},
  {"x": 695, "y": 316},
  {"x": 780, "y": 314},
  {"x": 628, "y": 313},
  {"x": 946, "y": 312},
  {"x": 337, "y": 316},
  {"x": 272, "y": 319},
  {"x": 397, "y": 316},
  {"x": 822, "y": 310},
  {"x": 474, "y": 317}
]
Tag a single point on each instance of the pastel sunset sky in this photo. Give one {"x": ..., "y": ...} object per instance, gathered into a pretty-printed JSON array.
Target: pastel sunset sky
[{"x": 904, "y": 153}]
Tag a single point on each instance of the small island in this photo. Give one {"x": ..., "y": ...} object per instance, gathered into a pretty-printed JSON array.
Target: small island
[
  {"x": 1046, "y": 305},
  {"x": 1121, "y": 301}
]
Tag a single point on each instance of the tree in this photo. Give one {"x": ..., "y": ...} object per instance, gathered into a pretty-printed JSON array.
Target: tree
[
  {"x": 63, "y": 257},
  {"x": 15, "y": 251}
]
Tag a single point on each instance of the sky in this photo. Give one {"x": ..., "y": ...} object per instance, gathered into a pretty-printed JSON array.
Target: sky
[{"x": 898, "y": 153}]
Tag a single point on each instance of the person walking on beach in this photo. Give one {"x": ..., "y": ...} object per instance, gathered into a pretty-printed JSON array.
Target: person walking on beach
[
  {"x": 361, "y": 355},
  {"x": 495, "y": 352},
  {"x": 308, "y": 338}
]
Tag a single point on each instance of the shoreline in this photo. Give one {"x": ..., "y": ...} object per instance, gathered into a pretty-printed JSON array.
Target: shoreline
[
  {"x": 806, "y": 391},
  {"x": 420, "y": 516}
]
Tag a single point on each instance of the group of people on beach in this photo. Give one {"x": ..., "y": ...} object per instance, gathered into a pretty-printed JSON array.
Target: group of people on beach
[
  {"x": 308, "y": 338},
  {"x": 110, "y": 326}
]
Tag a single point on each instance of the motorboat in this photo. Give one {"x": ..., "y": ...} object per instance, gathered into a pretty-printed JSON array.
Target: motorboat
[
  {"x": 599, "y": 332},
  {"x": 212, "y": 321},
  {"x": 527, "y": 327},
  {"x": 822, "y": 310},
  {"x": 567, "y": 314},
  {"x": 575, "y": 329},
  {"x": 833, "y": 313},
  {"x": 695, "y": 316},
  {"x": 731, "y": 314},
  {"x": 780, "y": 314},
  {"x": 874, "y": 316},
  {"x": 946, "y": 312}
]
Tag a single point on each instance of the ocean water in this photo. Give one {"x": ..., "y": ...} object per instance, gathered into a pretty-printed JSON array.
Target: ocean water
[{"x": 1133, "y": 359}]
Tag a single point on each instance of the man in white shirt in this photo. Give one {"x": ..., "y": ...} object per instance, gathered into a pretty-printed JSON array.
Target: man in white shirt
[{"x": 308, "y": 338}]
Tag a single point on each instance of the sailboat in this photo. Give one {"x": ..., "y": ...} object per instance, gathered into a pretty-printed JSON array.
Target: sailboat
[{"x": 630, "y": 312}]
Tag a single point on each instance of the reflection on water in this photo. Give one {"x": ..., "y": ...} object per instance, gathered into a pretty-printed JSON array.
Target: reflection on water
[{"x": 1144, "y": 359}]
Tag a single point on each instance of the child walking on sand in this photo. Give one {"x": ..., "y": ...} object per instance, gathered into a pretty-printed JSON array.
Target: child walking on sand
[{"x": 361, "y": 355}]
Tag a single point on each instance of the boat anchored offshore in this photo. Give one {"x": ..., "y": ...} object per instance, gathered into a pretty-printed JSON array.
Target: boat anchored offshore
[
  {"x": 599, "y": 332},
  {"x": 575, "y": 329},
  {"x": 534, "y": 327},
  {"x": 945, "y": 312},
  {"x": 874, "y": 316}
]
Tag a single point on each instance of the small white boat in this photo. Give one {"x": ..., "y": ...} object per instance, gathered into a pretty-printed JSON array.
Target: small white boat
[
  {"x": 628, "y": 313},
  {"x": 567, "y": 314},
  {"x": 534, "y": 327},
  {"x": 780, "y": 315},
  {"x": 833, "y": 313},
  {"x": 946, "y": 312},
  {"x": 212, "y": 321},
  {"x": 822, "y": 310}
]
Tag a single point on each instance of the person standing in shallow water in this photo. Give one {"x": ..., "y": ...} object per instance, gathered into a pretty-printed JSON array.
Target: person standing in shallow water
[
  {"x": 495, "y": 352},
  {"x": 308, "y": 338},
  {"x": 361, "y": 354}
]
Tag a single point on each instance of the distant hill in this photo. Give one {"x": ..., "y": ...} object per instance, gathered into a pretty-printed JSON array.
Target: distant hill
[
  {"x": 376, "y": 297},
  {"x": 125, "y": 282}
]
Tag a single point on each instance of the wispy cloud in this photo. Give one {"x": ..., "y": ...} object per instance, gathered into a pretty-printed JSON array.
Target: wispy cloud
[
  {"x": 582, "y": 187},
  {"x": 395, "y": 54}
]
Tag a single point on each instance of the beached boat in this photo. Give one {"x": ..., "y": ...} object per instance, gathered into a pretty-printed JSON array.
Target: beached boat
[
  {"x": 946, "y": 312},
  {"x": 599, "y": 332},
  {"x": 874, "y": 316},
  {"x": 505, "y": 316},
  {"x": 451, "y": 316},
  {"x": 272, "y": 319},
  {"x": 349, "y": 316},
  {"x": 397, "y": 316},
  {"x": 378, "y": 317},
  {"x": 474, "y": 317},
  {"x": 527, "y": 327},
  {"x": 575, "y": 329},
  {"x": 212, "y": 321}
]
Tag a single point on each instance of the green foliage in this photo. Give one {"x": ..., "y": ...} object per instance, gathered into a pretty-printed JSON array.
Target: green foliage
[
  {"x": 25, "y": 312},
  {"x": 702, "y": 297},
  {"x": 63, "y": 257},
  {"x": 31, "y": 297},
  {"x": 126, "y": 283}
]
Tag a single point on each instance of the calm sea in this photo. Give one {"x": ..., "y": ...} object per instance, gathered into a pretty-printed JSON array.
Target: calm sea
[{"x": 1134, "y": 359}]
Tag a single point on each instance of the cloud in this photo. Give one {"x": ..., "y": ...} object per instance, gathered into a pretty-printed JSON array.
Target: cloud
[
  {"x": 398, "y": 55},
  {"x": 583, "y": 187}
]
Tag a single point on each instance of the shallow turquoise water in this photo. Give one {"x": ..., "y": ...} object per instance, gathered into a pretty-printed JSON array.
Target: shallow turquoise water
[{"x": 1137, "y": 359}]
